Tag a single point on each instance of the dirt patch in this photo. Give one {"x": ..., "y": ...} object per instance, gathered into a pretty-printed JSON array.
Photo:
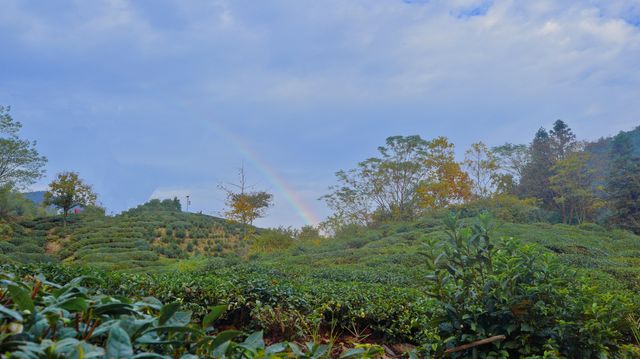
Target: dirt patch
[{"x": 52, "y": 247}]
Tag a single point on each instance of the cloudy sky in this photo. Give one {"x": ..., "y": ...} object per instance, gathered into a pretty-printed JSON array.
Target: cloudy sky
[{"x": 154, "y": 98}]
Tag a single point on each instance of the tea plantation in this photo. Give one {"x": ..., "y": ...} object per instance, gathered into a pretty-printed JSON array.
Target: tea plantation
[
  {"x": 421, "y": 289},
  {"x": 145, "y": 238}
]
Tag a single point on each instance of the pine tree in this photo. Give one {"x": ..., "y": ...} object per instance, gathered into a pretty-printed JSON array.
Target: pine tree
[
  {"x": 535, "y": 175},
  {"x": 623, "y": 184},
  {"x": 563, "y": 140}
]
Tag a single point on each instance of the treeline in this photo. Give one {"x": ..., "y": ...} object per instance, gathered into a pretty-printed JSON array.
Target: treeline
[{"x": 555, "y": 174}]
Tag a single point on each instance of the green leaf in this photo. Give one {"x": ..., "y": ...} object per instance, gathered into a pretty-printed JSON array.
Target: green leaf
[
  {"x": 296, "y": 349},
  {"x": 180, "y": 318},
  {"x": 115, "y": 309},
  {"x": 254, "y": 341},
  {"x": 74, "y": 305},
  {"x": 173, "y": 328},
  {"x": 10, "y": 313},
  {"x": 213, "y": 315},
  {"x": 224, "y": 337},
  {"x": 118, "y": 344},
  {"x": 21, "y": 297},
  {"x": 275, "y": 348},
  {"x": 150, "y": 356},
  {"x": 167, "y": 312},
  {"x": 350, "y": 353}
]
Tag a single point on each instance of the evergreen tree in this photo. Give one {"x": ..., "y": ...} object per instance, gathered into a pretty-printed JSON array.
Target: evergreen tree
[
  {"x": 623, "y": 184},
  {"x": 563, "y": 140},
  {"x": 535, "y": 175}
]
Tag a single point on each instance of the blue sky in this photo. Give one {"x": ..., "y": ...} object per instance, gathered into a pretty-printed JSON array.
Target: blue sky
[{"x": 160, "y": 98}]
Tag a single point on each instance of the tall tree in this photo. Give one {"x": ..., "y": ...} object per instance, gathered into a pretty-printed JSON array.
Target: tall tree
[
  {"x": 535, "y": 175},
  {"x": 68, "y": 191},
  {"x": 572, "y": 185},
  {"x": 385, "y": 184},
  {"x": 512, "y": 159},
  {"x": 445, "y": 182},
  {"x": 20, "y": 162},
  {"x": 482, "y": 167},
  {"x": 410, "y": 174},
  {"x": 243, "y": 204},
  {"x": 623, "y": 184},
  {"x": 563, "y": 140}
]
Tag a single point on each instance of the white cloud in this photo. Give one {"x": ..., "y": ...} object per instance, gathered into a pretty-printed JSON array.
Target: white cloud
[{"x": 345, "y": 70}]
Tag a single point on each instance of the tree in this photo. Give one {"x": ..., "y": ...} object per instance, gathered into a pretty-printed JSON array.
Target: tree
[
  {"x": 535, "y": 175},
  {"x": 623, "y": 184},
  {"x": 410, "y": 174},
  {"x": 512, "y": 159},
  {"x": 446, "y": 182},
  {"x": 20, "y": 162},
  {"x": 14, "y": 205},
  {"x": 385, "y": 184},
  {"x": 572, "y": 185},
  {"x": 482, "y": 167},
  {"x": 243, "y": 205},
  {"x": 563, "y": 140},
  {"x": 68, "y": 191}
]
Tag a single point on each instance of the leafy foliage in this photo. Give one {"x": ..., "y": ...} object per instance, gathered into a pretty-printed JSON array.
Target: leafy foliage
[
  {"x": 20, "y": 162},
  {"x": 68, "y": 191},
  {"x": 41, "y": 319}
]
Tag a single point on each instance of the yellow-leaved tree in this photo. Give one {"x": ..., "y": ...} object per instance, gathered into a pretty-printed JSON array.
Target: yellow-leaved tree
[
  {"x": 243, "y": 205},
  {"x": 446, "y": 183},
  {"x": 68, "y": 191}
]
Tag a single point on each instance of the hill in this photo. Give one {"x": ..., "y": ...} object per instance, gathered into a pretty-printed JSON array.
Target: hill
[
  {"x": 36, "y": 197},
  {"x": 566, "y": 288},
  {"x": 153, "y": 235}
]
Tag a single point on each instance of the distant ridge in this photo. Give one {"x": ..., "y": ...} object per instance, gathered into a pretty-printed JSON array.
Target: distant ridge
[{"x": 36, "y": 197}]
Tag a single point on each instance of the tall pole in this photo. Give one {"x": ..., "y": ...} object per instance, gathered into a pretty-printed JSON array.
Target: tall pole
[{"x": 188, "y": 202}]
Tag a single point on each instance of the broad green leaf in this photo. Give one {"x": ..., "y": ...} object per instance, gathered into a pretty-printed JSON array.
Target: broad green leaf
[
  {"x": 275, "y": 348},
  {"x": 21, "y": 297},
  {"x": 150, "y": 356},
  {"x": 74, "y": 305},
  {"x": 224, "y": 337},
  {"x": 10, "y": 313},
  {"x": 254, "y": 341},
  {"x": 167, "y": 312},
  {"x": 115, "y": 309},
  {"x": 213, "y": 315},
  {"x": 118, "y": 344},
  {"x": 353, "y": 352},
  {"x": 179, "y": 318}
]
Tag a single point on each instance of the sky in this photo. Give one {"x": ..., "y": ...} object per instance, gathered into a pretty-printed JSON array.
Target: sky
[{"x": 155, "y": 99}]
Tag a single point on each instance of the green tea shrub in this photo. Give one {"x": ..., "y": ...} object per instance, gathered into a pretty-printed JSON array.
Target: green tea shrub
[
  {"x": 488, "y": 287},
  {"x": 592, "y": 227}
]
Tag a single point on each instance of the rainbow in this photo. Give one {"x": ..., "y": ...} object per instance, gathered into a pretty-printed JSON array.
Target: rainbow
[{"x": 281, "y": 185}]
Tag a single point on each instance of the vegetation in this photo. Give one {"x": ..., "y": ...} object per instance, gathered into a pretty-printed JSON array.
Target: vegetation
[
  {"x": 245, "y": 206},
  {"x": 528, "y": 251},
  {"x": 49, "y": 320},
  {"x": 68, "y": 191},
  {"x": 20, "y": 162}
]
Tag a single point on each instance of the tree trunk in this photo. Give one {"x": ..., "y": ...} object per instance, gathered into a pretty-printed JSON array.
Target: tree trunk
[{"x": 65, "y": 212}]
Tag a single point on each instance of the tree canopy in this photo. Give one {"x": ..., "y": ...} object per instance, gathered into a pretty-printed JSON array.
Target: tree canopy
[
  {"x": 20, "y": 163},
  {"x": 68, "y": 191}
]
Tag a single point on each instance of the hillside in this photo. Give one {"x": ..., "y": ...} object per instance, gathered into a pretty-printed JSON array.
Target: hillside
[
  {"x": 142, "y": 238},
  {"x": 376, "y": 285}
]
